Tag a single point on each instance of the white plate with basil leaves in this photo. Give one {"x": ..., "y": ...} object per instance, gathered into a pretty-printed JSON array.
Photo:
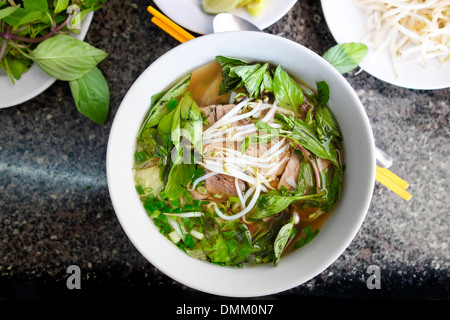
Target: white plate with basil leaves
[{"x": 34, "y": 81}]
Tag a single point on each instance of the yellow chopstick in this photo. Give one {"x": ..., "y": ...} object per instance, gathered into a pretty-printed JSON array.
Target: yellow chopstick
[
  {"x": 384, "y": 176},
  {"x": 393, "y": 182},
  {"x": 169, "y": 30},
  {"x": 169, "y": 26},
  {"x": 402, "y": 183}
]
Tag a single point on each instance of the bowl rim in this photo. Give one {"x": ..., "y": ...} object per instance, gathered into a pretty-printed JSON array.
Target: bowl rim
[{"x": 204, "y": 276}]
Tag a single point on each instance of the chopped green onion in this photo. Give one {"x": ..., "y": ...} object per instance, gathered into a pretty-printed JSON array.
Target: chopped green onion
[
  {"x": 174, "y": 237},
  {"x": 139, "y": 189},
  {"x": 178, "y": 210},
  {"x": 149, "y": 207},
  {"x": 165, "y": 229},
  {"x": 167, "y": 209},
  {"x": 189, "y": 241},
  {"x": 202, "y": 189}
]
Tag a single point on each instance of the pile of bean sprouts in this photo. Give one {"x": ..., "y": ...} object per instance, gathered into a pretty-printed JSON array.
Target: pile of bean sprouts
[
  {"x": 411, "y": 30},
  {"x": 256, "y": 171}
]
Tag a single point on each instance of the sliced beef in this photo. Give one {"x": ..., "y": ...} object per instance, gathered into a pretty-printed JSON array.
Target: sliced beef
[
  {"x": 210, "y": 115},
  {"x": 215, "y": 112},
  {"x": 256, "y": 150},
  {"x": 291, "y": 171},
  {"x": 222, "y": 110},
  {"x": 223, "y": 185}
]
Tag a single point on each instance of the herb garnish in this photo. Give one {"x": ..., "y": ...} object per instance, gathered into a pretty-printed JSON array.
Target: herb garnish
[{"x": 38, "y": 32}]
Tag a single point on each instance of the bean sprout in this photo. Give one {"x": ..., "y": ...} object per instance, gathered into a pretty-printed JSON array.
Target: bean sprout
[
  {"x": 256, "y": 171},
  {"x": 411, "y": 30}
]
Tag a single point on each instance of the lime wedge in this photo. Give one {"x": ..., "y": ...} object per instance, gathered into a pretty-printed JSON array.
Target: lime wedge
[
  {"x": 256, "y": 7},
  {"x": 218, "y": 6}
]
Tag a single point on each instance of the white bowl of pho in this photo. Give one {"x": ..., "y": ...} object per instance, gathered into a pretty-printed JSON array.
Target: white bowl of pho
[{"x": 241, "y": 164}]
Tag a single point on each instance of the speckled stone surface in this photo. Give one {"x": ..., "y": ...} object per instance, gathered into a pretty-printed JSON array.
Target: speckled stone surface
[{"x": 55, "y": 209}]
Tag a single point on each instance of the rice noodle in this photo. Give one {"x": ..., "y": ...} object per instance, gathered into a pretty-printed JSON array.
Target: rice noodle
[
  {"x": 271, "y": 113},
  {"x": 186, "y": 214},
  {"x": 222, "y": 121},
  {"x": 239, "y": 192},
  {"x": 177, "y": 228},
  {"x": 411, "y": 30},
  {"x": 244, "y": 211},
  {"x": 291, "y": 182}
]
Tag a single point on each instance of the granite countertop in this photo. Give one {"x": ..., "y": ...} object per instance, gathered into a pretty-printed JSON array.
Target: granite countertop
[{"x": 55, "y": 209}]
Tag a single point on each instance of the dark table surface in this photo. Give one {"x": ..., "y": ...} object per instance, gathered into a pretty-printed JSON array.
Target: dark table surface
[{"x": 55, "y": 209}]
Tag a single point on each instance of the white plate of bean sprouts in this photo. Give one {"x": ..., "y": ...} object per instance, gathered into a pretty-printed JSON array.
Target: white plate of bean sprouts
[{"x": 408, "y": 41}]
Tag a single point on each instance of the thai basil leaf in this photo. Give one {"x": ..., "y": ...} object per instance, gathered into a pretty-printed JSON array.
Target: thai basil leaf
[
  {"x": 159, "y": 109},
  {"x": 306, "y": 179},
  {"x": 304, "y": 134},
  {"x": 346, "y": 56},
  {"x": 231, "y": 246},
  {"x": 8, "y": 11},
  {"x": 91, "y": 95},
  {"x": 236, "y": 73},
  {"x": 179, "y": 176},
  {"x": 38, "y": 5},
  {"x": 331, "y": 184},
  {"x": 323, "y": 120},
  {"x": 185, "y": 120},
  {"x": 272, "y": 203},
  {"x": 15, "y": 65},
  {"x": 281, "y": 240},
  {"x": 66, "y": 58},
  {"x": 309, "y": 236},
  {"x": 286, "y": 90},
  {"x": 227, "y": 63},
  {"x": 163, "y": 135},
  {"x": 218, "y": 252},
  {"x": 22, "y": 17},
  {"x": 266, "y": 84},
  {"x": 148, "y": 143},
  {"x": 253, "y": 80},
  {"x": 323, "y": 93},
  {"x": 191, "y": 120},
  {"x": 326, "y": 125},
  {"x": 61, "y": 5},
  {"x": 230, "y": 81}
]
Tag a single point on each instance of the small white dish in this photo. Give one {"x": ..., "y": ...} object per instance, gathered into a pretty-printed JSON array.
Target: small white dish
[
  {"x": 349, "y": 22},
  {"x": 297, "y": 267},
  {"x": 189, "y": 14},
  {"x": 34, "y": 81}
]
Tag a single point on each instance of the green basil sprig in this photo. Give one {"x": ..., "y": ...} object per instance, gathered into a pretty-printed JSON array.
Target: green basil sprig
[
  {"x": 38, "y": 32},
  {"x": 66, "y": 58},
  {"x": 346, "y": 56}
]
